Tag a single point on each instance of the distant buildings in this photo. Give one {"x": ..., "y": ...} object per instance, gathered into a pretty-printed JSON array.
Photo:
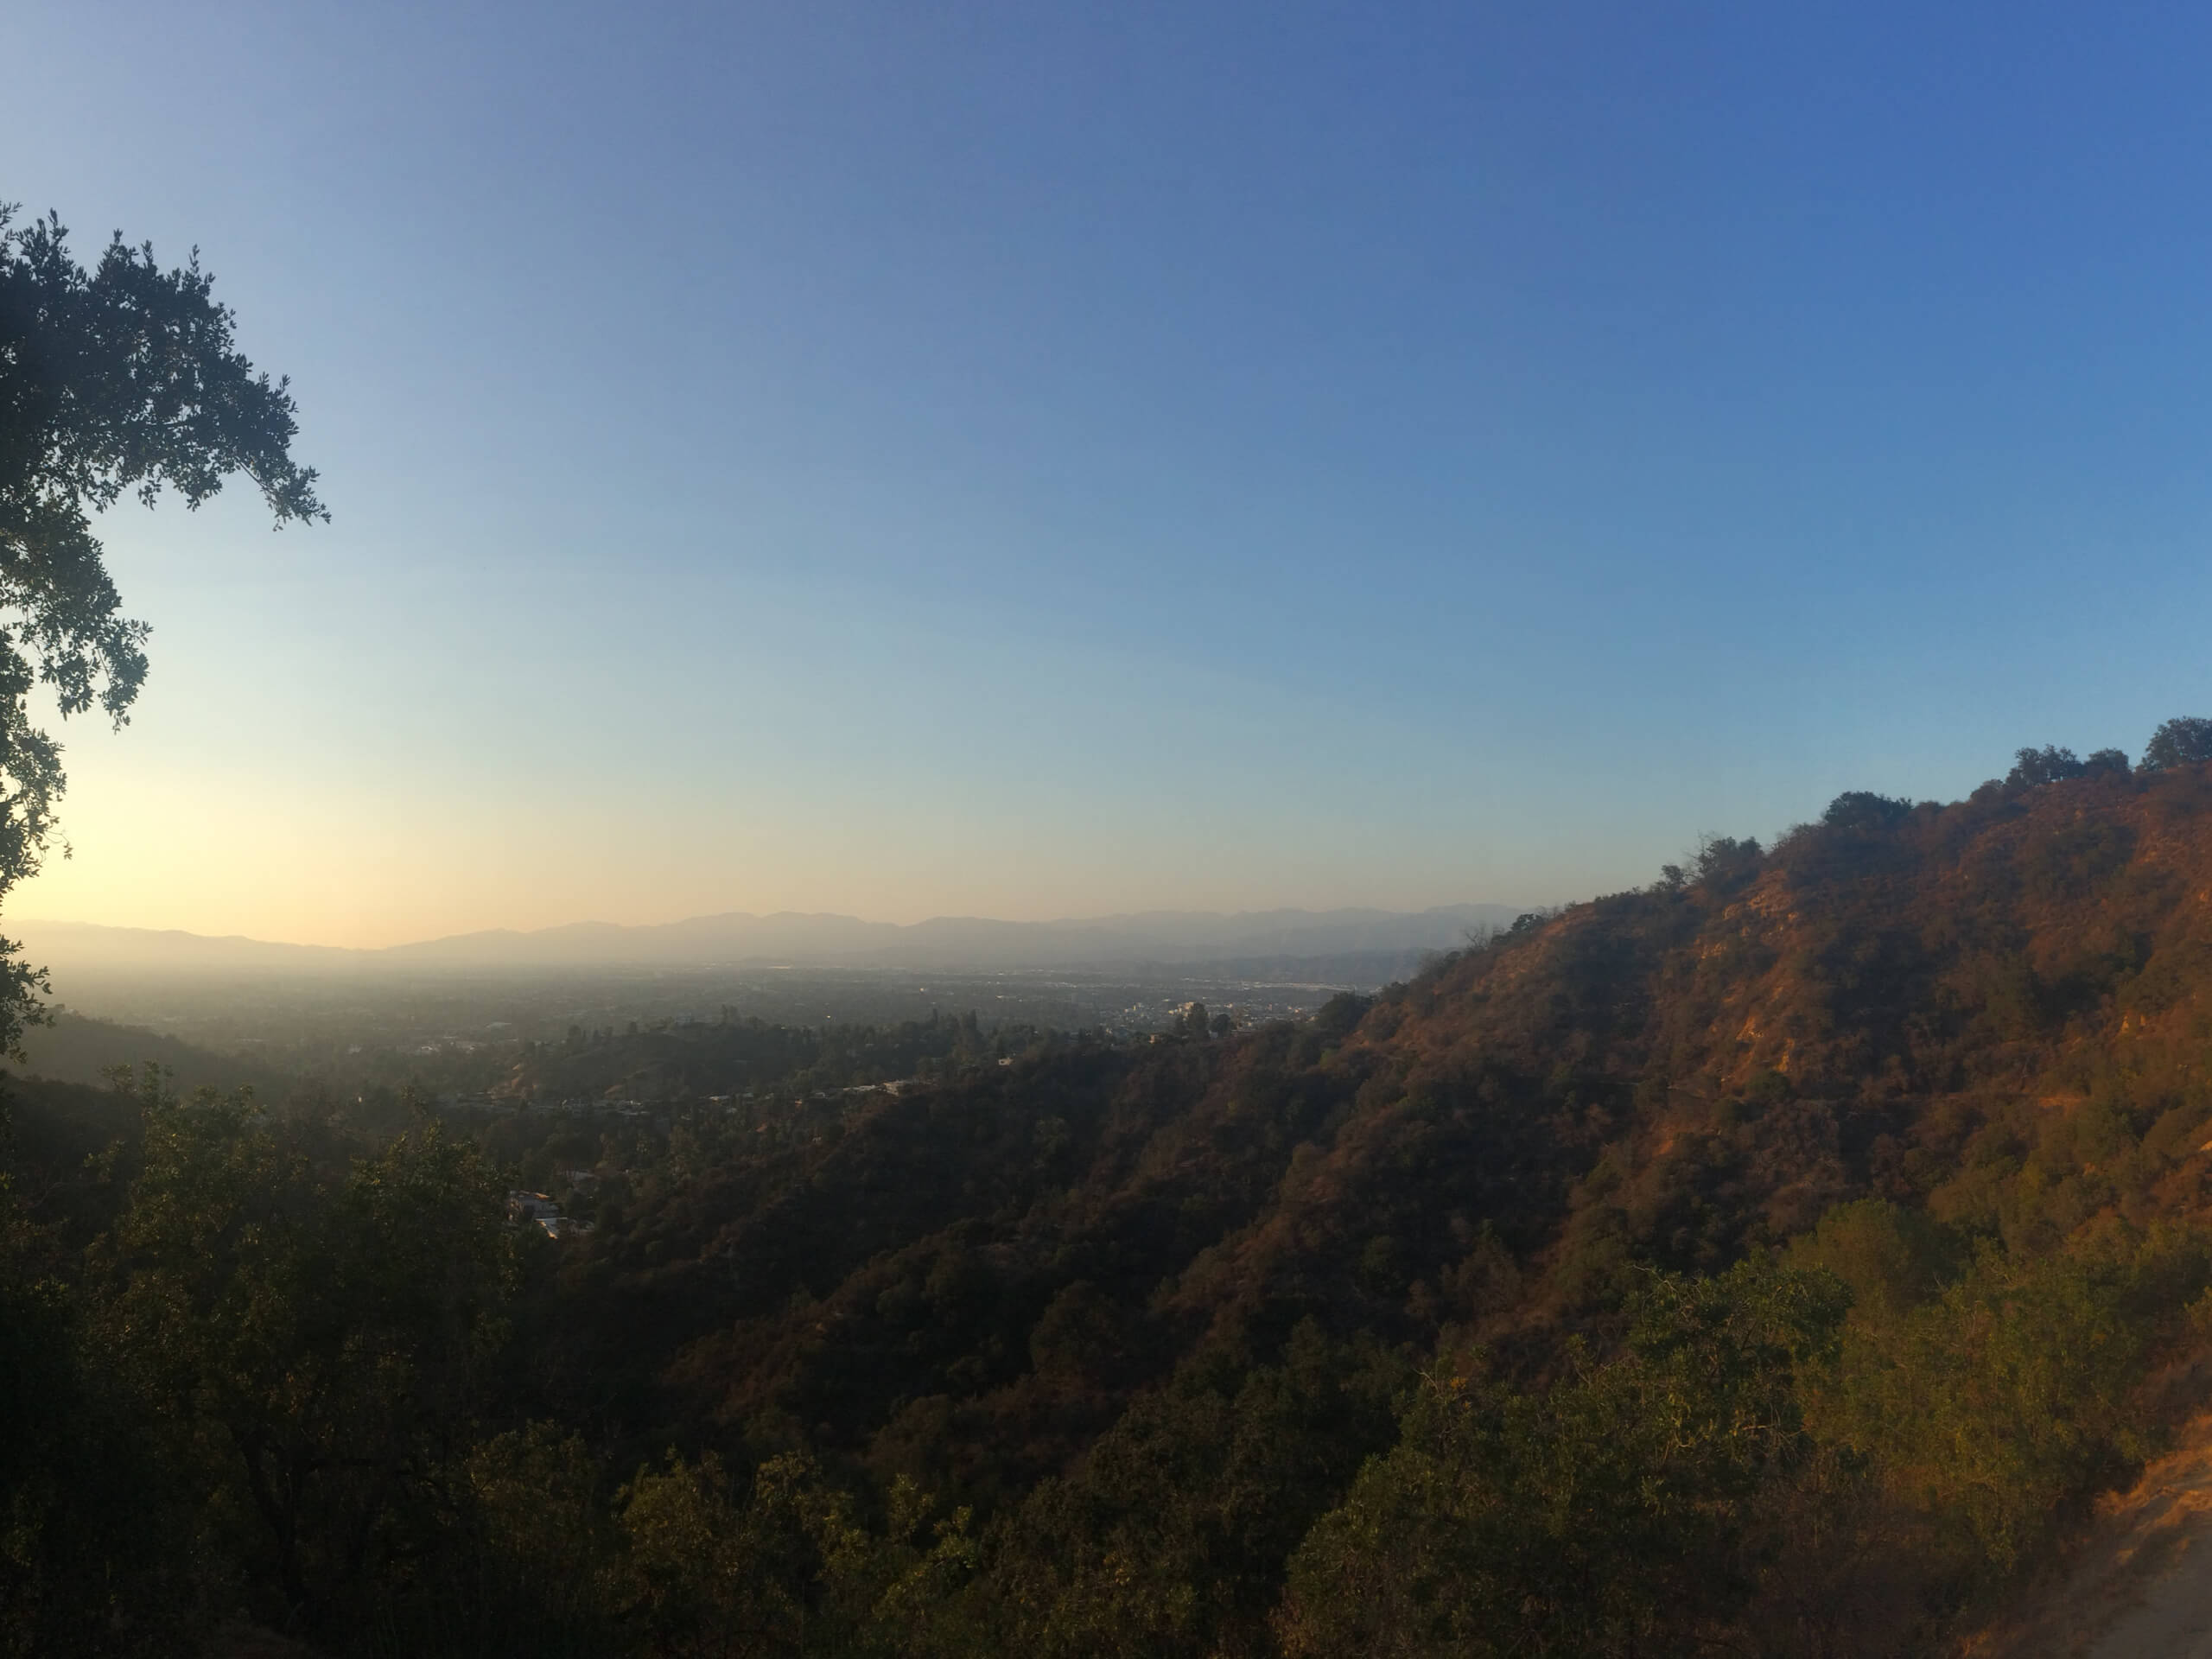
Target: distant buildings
[
  {"x": 539, "y": 1207},
  {"x": 530, "y": 1206}
]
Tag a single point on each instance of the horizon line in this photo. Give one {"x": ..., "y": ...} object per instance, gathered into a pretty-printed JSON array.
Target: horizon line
[{"x": 1094, "y": 918}]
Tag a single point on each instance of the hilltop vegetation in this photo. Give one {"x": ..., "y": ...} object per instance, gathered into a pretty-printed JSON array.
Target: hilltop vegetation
[
  {"x": 81, "y": 1049},
  {"x": 1780, "y": 1257}
]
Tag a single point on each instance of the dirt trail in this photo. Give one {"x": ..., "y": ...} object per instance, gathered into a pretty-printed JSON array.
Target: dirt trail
[{"x": 2140, "y": 1586}]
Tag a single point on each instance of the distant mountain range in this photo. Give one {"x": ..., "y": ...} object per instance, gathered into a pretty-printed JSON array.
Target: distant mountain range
[{"x": 1156, "y": 938}]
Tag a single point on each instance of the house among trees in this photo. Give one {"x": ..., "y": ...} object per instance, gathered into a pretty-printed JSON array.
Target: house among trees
[{"x": 532, "y": 1206}]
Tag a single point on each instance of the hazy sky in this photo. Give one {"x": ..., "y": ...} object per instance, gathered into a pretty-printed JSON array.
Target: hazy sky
[{"x": 1044, "y": 460}]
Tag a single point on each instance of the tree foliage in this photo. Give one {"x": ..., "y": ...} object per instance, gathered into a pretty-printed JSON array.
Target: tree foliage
[
  {"x": 1859, "y": 809},
  {"x": 2184, "y": 740},
  {"x": 124, "y": 378},
  {"x": 1614, "y": 1512},
  {"x": 2048, "y": 765}
]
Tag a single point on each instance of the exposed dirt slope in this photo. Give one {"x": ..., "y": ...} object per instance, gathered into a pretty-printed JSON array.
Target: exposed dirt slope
[{"x": 2140, "y": 1585}]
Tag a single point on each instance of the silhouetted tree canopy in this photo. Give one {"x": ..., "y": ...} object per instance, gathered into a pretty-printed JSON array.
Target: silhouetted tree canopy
[
  {"x": 1859, "y": 809},
  {"x": 2184, "y": 740},
  {"x": 2048, "y": 765},
  {"x": 1723, "y": 862},
  {"x": 120, "y": 378}
]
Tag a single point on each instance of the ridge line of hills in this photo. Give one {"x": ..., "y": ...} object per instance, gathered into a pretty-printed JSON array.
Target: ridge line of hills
[{"x": 814, "y": 939}]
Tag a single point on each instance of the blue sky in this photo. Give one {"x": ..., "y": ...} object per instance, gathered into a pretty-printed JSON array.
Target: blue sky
[{"x": 1047, "y": 460}]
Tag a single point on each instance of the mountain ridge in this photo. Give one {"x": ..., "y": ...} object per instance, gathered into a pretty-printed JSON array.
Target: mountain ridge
[{"x": 796, "y": 937}]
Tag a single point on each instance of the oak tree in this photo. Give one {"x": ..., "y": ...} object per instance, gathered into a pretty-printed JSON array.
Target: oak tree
[{"x": 122, "y": 378}]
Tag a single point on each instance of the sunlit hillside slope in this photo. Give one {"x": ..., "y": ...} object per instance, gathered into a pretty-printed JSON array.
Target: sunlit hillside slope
[
  {"x": 1924, "y": 1004},
  {"x": 1994, "y": 1015}
]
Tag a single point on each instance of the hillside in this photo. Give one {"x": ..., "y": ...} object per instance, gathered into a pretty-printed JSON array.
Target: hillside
[
  {"x": 1781, "y": 1258},
  {"x": 78, "y": 1048},
  {"x": 1915, "y": 1005},
  {"x": 1993, "y": 1014}
]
